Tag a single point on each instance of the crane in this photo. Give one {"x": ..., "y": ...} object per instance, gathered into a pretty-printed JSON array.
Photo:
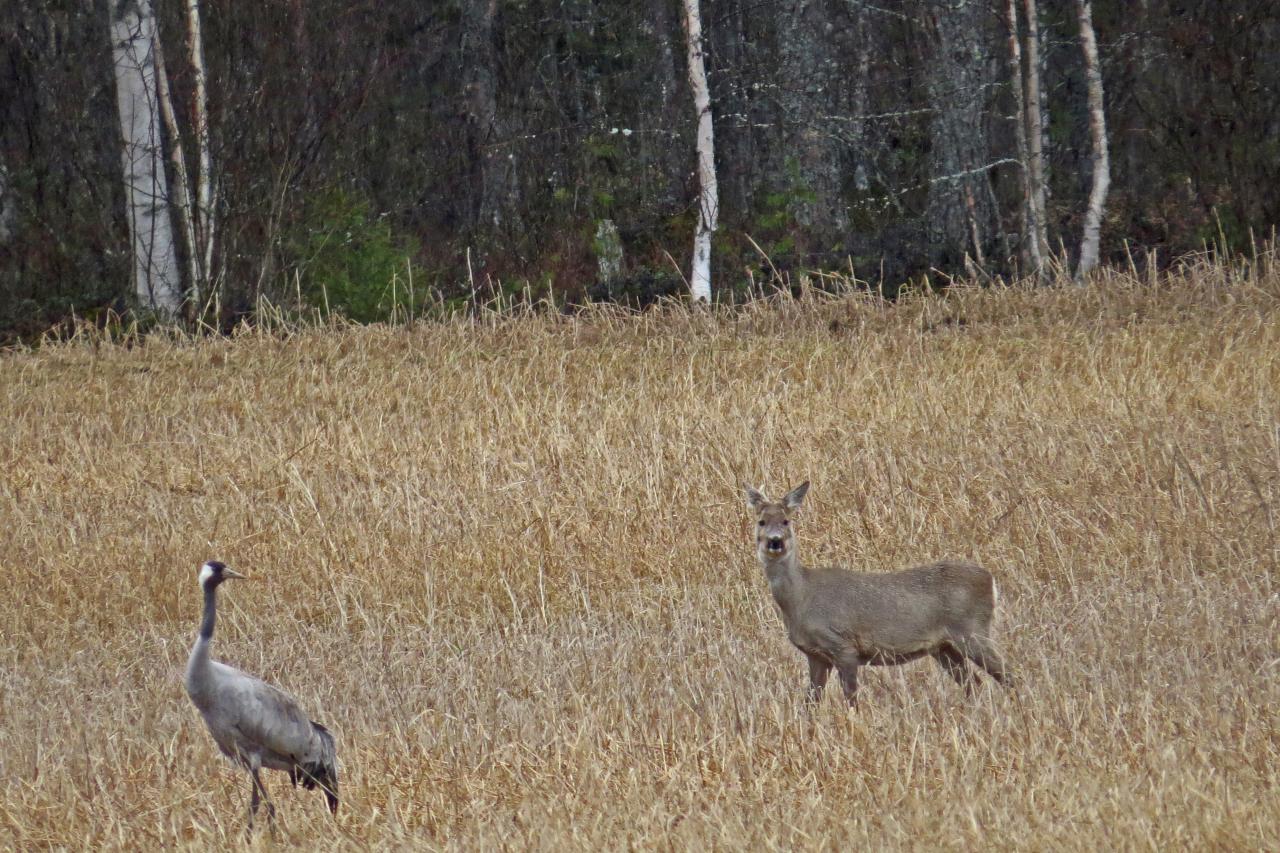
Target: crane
[{"x": 255, "y": 724}]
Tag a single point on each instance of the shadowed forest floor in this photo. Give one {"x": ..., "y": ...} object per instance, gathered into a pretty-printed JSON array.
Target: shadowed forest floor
[{"x": 507, "y": 561}]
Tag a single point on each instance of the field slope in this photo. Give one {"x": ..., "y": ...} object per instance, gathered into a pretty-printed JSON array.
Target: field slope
[{"x": 507, "y": 561}]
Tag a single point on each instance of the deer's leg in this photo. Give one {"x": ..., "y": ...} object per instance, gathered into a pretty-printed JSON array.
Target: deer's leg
[
  {"x": 819, "y": 670},
  {"x": 953, "y": 664},
  {"x": 979, "y": 650},
  {"x": 848, "y": 668}
]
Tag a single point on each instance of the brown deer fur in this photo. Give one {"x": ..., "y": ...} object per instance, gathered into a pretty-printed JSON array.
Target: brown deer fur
[{"x": 848, "y": 619}]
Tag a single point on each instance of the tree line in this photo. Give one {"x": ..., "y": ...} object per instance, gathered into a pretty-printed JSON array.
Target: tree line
[{"x": 369, "y": 158}]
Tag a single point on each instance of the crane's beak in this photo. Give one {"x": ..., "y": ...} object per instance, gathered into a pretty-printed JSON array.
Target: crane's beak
[{"x": 232, "y": 573}]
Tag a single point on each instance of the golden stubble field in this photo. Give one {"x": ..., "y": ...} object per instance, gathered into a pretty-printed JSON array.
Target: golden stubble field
[{"x": 508, "y": 562}]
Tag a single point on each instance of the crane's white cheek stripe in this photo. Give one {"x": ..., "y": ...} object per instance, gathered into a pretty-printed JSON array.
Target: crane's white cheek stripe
[{"x": 206, "y": 572}]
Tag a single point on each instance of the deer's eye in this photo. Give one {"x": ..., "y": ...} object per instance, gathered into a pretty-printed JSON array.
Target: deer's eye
[
  {"x": 760, "y": 523},
  {"x": 786, "y": 522}
]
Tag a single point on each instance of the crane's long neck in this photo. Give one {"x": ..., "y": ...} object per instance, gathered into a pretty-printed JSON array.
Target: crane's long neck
[
  {"x": 198, "y": 663},
  {"x": 210, "y": 613}
]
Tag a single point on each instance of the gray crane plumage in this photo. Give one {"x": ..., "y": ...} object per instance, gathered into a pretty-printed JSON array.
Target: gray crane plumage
[{"x": 254, "y": 724}]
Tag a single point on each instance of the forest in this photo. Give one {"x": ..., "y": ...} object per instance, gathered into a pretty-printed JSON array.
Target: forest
[
  {"x": 381, "y": 160},
  {"x": 397, "y": 310}
]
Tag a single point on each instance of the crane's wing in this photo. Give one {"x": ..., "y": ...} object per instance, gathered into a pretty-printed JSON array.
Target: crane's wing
[{"x": 267, "y": 721}]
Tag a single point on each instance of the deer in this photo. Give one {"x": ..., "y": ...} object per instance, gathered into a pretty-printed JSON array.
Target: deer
[{"x": 847, "y": 620}]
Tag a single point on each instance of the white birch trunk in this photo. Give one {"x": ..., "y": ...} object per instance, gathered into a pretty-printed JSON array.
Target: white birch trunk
[
  {"x": 1098, "y": 133},
  {"x": 1028, "y": 226},
  {"x": 182, "y": 205},
  {"x": 1035, "y": 130},
  {"x": 708, "y": 196},
  {"x": 155, "y": 265},
  {"x": 204, "y": 220}
]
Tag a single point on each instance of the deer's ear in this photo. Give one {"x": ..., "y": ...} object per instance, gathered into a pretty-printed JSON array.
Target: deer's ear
[
  {"x": 755, "y": 500},
  {"x": 795, "y": 497}
]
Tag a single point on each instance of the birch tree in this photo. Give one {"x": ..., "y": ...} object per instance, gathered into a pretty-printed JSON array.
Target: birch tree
[
  {"x": 194, "y": 212},
  {"x": 708, "y": 195},
  {"x": 1034, "y": 127},
  {"x": 204, "y": 218},
  {"x": 1098, "y": 135},
  {"x": 182, "y": 205},
  {"x": 156, "y": 281},
  {"x": 1028, "y": 224}
]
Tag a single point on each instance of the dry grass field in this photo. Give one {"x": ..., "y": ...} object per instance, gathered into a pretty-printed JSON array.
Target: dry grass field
[{"x": 508, "y": 561}]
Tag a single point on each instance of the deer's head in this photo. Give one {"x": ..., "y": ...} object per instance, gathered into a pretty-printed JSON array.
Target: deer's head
[{"x": 775, "y": 539}]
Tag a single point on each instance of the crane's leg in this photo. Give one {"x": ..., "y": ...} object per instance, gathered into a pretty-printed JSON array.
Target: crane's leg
[
  {"x": 258, "y": 796},
  {"x": 271, "y": 807},
  {"x": 253, "y": 800}
]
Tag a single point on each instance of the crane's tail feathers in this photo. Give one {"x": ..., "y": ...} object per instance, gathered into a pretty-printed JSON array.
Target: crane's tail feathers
[{"x": 322, "y": 772}]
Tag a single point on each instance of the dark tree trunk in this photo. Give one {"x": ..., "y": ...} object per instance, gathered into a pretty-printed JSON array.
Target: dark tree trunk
[
  {"x": 667, "y": 159},
  {"x": 960, "y": 214},
  {"x": 809, "y": 81},
  {"x": 493, "y": 183},
  {"x": 732, "y": 55}
]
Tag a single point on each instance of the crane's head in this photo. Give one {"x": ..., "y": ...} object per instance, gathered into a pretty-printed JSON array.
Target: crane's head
[{"x": 213, "y": 573}]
